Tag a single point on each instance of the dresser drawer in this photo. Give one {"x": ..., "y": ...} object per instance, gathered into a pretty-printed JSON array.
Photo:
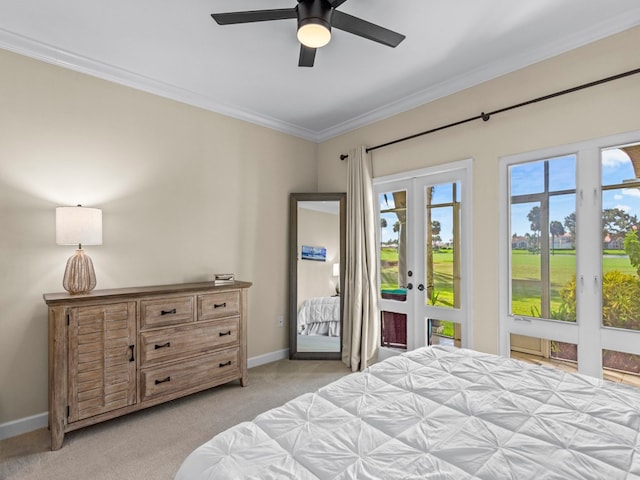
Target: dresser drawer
[
  {"x": 218, "y": 305},
  {"x": 166, "y": 311},
  {"x": 173, "y": 343},
  {"x": 202, "y": 371}
]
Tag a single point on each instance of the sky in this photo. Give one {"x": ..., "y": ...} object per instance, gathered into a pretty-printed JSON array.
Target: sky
[
  {"x": 528, "y": 178},
  {"x": 442, "y": 193}
]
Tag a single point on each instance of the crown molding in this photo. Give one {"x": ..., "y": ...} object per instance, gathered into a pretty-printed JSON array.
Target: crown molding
[
  {"x": 485, "y": 73},
  {"x": 47, "y": 53}
]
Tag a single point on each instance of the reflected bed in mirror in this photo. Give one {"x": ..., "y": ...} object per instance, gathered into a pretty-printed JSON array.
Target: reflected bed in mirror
[{"x": 316, "y": 259}]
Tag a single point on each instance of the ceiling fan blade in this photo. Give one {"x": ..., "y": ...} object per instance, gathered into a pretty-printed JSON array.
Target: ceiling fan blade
[
  {"x": 307, "y": 56},
  {"x": 254, "y": 16},
  {"x": 362, "y": 28},
  {"x": 336, "y": 3}
]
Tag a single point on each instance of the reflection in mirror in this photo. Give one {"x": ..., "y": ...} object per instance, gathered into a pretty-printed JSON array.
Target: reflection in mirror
[{"x": 316, "y": 264}]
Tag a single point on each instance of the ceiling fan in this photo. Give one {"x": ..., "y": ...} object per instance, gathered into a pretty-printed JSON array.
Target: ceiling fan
[{"x": 315, "y": 20}]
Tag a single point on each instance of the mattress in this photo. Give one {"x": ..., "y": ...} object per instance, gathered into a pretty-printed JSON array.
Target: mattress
[
  {"x": 319, "y": 316},
  {"x": 437, "y": 413}
]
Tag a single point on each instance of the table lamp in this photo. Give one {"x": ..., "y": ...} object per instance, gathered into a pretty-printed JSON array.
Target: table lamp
[
  {"x": 336, "y": 273},
  {"x": 76, "y": 226}
]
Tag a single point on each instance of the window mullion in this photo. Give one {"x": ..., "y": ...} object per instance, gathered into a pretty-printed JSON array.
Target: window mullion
[
  {"x": 589, "y": 262},
  {"x": 544, "y": 258}
]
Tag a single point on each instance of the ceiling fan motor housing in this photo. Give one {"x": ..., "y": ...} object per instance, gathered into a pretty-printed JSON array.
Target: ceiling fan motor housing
[{"x": 318, "y": 12}]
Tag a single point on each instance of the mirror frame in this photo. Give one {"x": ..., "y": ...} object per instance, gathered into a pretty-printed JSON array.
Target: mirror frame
[{"x": 294, "y": 198}]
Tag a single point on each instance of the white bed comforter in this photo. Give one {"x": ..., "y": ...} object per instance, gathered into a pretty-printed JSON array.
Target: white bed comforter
[
  {"x": 319, "y": 316},
  {"x": 437, "y": 413}
]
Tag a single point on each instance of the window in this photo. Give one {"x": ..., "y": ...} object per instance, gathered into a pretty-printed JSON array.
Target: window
[
  {"x": 571, "y": 287},
  {"x": 542, "y": 222}
]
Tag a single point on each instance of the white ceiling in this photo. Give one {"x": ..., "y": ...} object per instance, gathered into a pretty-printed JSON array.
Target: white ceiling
[{"x": 174, "y": 48}]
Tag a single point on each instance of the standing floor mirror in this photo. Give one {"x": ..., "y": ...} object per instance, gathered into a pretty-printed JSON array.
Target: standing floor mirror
[{"x": 317, "y": 239}]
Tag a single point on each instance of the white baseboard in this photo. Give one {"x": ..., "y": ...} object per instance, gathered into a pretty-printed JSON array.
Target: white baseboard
[
  {"x": 41, "y": 420},
  {"x": 267, "y": 358},
  {"x": 23, "y": 425}
]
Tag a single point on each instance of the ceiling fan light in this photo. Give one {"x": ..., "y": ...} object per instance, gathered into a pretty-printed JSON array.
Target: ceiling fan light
[{"x": 313, "y": 33}]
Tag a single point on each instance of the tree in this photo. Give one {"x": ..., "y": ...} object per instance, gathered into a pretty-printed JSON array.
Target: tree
[
  {"x": 570, "y": 225},
  {"x": 383, "y": 225},
  {"x": 616, "y": 222},
  {"x": 534, "y": 217},
  {"x": 557, "y": 230},
  {"x": 632, "y": 248},
  {"x": 396, "y": 229}
]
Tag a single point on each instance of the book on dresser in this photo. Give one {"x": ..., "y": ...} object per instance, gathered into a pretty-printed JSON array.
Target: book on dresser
[{"x": 112, "y": 352}]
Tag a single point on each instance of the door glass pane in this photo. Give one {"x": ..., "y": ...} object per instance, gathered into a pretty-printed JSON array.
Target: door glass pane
[
  {"x": 621, "y": 367},
  {"x": 442, "y": 247},
  {"x": 620, "y": 241},
  {"x": 393, "y": 330},
  {"x": 442, "y": 332},
  {"x": 542, "y": 351},
  {"x": 543, "y": 225},
  {"x": 393, "y": 245}
]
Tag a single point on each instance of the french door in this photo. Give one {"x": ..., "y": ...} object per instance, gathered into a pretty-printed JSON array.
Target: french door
[
  {"x": 570, "y": 281},
  {"x": 423, "y": 234}
]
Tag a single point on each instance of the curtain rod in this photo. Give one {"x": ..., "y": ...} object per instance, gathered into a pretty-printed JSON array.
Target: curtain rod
[{"x": 486, "y": 116}]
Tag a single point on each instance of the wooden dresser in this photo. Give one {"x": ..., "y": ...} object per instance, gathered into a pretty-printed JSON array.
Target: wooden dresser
[{"x": 112, "y": 352}]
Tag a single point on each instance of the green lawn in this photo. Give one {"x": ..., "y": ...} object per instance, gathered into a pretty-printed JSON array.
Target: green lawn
[
  {"x": 525, "y": 273},
  {"x": 443, "y": 274}
]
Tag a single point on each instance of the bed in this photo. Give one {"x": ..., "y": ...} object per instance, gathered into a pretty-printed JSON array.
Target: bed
[
  {"x": 437, "y": 413},
  {"x": 319, "y": 316}
]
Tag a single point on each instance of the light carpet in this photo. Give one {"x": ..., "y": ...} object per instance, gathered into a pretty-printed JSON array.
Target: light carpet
[{"x": 152, "y": 443}]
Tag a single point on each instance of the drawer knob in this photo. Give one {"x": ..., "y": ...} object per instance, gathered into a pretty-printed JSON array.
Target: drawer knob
[
  {"x": 168, "y": 379},
  {"x": 168, "y": 312},
  {"x": 219, "y": 305},
  {"x": 222, "y": 334},
  {"x": 164, "y": 345},
  {"x": 226, "y": 364}
]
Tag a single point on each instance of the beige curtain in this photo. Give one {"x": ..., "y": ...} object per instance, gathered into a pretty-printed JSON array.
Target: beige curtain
[{"x": 361, "y": 328}]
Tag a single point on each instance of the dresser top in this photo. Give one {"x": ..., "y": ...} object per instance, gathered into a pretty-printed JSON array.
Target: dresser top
[{"x": 64, "y": 297}]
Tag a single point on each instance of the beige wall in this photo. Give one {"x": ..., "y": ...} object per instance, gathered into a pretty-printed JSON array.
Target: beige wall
[
  {"x": 596, "y": 112},
  {"x": 184, "y": 192},
  {"x": 317, "y": 229}
]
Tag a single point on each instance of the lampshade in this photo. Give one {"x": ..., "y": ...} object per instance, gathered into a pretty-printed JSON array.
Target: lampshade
[
  {"x": 314, "y": 33},
  {"x": 336, "y": 269},
  {"x": 75, "y": 226},
  {"x": 78, "y": 225}
]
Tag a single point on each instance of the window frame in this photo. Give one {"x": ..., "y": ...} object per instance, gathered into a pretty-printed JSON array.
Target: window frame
[{"x": 587, "y": 332}]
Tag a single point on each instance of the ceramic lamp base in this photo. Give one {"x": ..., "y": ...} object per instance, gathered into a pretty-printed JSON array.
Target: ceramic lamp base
[{"x": 79, "y": 276}]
